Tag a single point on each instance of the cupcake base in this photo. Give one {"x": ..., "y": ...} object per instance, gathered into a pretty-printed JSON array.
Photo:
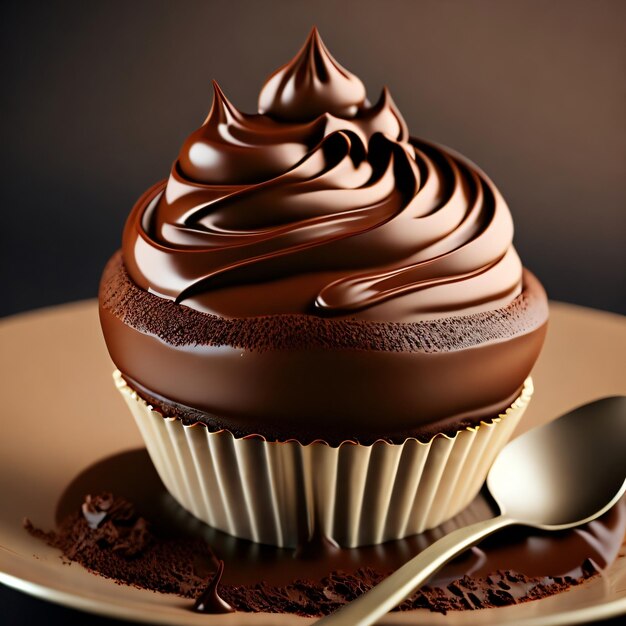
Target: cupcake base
[{"x": 285, "y": 493}]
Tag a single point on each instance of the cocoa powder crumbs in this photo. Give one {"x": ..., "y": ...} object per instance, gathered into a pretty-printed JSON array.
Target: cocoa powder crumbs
[
  {"x": 121, "y": 546},
  {"x": 109, "y": 538}
]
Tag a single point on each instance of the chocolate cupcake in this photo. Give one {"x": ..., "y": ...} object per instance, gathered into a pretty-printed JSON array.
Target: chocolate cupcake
[{"x": 320, "y": 322}]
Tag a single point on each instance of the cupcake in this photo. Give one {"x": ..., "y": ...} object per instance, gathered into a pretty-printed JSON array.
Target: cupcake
[{"x": 319, "y": 322}]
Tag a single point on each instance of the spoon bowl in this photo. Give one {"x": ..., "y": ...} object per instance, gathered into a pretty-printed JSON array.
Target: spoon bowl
[
  {"x": 554, "y": 477},
  {"x": 567, "y": 472}
]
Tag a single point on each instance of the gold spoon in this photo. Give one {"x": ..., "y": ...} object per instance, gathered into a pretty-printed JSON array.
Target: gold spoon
[{"x": 554, "y": 477}]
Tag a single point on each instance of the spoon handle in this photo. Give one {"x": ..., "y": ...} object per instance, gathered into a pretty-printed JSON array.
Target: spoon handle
[{"x": 376, "y": 602}]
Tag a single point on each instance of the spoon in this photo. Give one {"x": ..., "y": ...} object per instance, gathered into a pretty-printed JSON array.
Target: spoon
[{"x": 560, "y": 475}]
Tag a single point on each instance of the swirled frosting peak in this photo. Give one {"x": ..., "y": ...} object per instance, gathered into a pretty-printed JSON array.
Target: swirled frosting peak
[
  {"x": 311, "y": 84},
  {"x": 322, "y": 204}
]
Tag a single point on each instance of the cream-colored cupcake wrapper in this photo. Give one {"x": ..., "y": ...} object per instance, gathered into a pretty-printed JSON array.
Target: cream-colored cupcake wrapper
[{"x": 277, "y": 492}]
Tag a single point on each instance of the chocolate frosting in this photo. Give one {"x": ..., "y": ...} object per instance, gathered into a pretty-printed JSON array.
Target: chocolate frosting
[
  {"x": 312, "y": 271},
  {"x": 311, "y": 84},
  {"x": 322, "y": 204}
]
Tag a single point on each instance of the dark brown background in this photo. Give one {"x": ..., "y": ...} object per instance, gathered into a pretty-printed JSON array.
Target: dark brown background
[{"x": 97, "y": 98}]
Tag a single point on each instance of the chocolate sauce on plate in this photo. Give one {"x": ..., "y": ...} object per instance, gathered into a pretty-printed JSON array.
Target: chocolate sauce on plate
[{"x": 147, "y": 540}]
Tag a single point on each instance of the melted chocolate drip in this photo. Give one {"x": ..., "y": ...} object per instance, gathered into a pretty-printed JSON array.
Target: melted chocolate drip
[
  {"x": 210, "y": 600},
  {"x": 313, "y": 543}
]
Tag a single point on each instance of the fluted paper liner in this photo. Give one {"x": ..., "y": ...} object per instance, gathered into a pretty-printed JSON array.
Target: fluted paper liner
[{"x": 280, "y": 493}]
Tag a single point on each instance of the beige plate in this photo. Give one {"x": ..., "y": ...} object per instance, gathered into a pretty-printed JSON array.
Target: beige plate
[{"x": 61, "y": 414}]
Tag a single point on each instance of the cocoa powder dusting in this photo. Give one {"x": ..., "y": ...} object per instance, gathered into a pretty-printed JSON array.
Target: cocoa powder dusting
[
  {"x": 110, "y": 538},
  {"x": 122, "y": 547}
]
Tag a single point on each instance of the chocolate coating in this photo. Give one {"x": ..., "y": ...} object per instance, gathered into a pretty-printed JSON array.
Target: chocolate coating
[
  {"x": 313, "y": 272},
  {"x": 305, "y": 377}
]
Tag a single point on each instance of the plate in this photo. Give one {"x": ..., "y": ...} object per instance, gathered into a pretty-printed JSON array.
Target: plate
[{"x": 62, "y": 414}]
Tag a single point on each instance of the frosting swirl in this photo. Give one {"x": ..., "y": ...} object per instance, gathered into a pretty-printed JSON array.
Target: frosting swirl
[{"x": 321, "y": 203}]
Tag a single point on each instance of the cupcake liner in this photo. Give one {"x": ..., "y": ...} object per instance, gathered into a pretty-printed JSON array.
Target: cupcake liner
[{"x": 282, "y": 493}]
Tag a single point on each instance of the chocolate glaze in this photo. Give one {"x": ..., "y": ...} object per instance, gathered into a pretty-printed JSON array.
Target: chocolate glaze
[
  {"x": 305, "y": 377},
  {"x": 514, "y": 565}
]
